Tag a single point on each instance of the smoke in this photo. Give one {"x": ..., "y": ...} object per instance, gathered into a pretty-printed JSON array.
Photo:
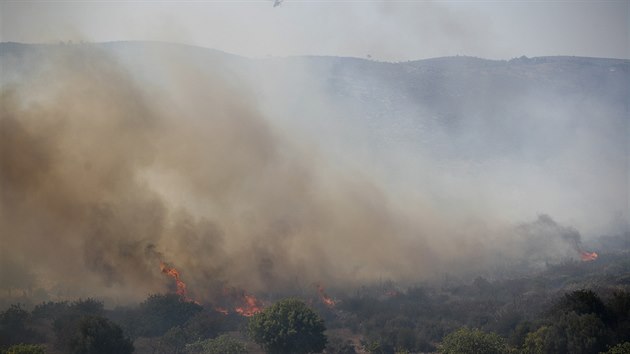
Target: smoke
[
  {"x": 545, "y": 226},
  {"x": 543, "y": 240},
  {"x": 105, "y": 172},
  {"x": 102, "y": 179},
  {"x": 72, "y": 205}
]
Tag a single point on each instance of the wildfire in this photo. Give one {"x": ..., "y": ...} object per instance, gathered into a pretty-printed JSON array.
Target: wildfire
[
  {"x": 588, "y": 256},
  {"x": 221, "y": 310},
  {"x": 327, "y": 300},
  {"x": 247, "y": 304},
  {"x": 250, "y": 306},
  {"x": 181, "y": 286},
  {"x": 238, "y": 301}
]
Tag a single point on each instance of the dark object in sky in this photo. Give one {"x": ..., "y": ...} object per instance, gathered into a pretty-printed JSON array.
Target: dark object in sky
[{"x": 277, "y": 3}]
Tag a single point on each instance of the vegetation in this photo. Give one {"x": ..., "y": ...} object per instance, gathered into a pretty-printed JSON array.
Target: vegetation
[
  {"x": 67, "y": 319},
  {"x": 223, "y": 344},
  {"x": 16, "y": 327},
  {"x": 159, "y": 313},
  {"x": 25, "y": 349},
  {"x": 568, "y": 308},
  {"x": 621, "y": 348},
  {"x": 98, "y": 335},
  {"x": 289, "y": 326},
  {"x": 472, "y": 341}
]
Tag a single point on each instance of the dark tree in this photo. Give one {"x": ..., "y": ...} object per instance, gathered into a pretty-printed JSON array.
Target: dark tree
[
  {"x": 585, "y": 333},
  {"x": 88, "y": 306},
  {"x": 621, "y": 348},
  {"x": 340, "y": 345},
  {"x": 546, "y": 339},
  {"x": 25, "y": 349},
  {"x": 223, "y": 344},
  {"x": 581, "y": 302},
  {"x": 173, "y": 341},
  {"x": 209, "y": 324},
  {"x": 15, "y": 327},
  {"x": 289, "y": 326},
  {"x": 159, "y": 313},
  {"x": 472, "y": 341},
  {"x": 569, "y": 334},
  {"x": 66, "y": 322},
  {"x": 518, "y": 336},
  {"x": 50, "y": 310},
  {"x": 619, "y": 307},
  {"x": 98, "y": 335}
]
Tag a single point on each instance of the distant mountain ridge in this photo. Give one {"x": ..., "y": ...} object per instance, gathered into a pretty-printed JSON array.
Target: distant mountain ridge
[
  {"x": 426, "y": 61},
  {"x": 455, "y": 106}
]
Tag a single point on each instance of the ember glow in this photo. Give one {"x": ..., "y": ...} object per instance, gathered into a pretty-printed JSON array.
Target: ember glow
[
  {"x": 588, "y": 256},
  {"x": 250, "y": 306},
  {"x": 181, "y": 286},
  {"x": 327, "y": 300},
  {"x": 221, "y": 310}
]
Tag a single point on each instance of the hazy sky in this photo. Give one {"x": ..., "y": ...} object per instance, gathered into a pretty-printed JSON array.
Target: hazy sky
[{"x": 386, "y": 30}]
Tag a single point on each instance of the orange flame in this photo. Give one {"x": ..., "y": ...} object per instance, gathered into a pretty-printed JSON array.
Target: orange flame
[
  {"x": 181, "y": 286},
  {"x": 327, "y": 300},
  {"x": 251, "y": 306},
  {"x": 221, "y": 310},
  {"x": 588, "y": 256}
]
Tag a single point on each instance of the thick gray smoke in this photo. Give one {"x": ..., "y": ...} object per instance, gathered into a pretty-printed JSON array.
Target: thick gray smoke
[
  {"x": 106, "y": 171},
  {"x": 100, "y": 178},
  {"x": 545, "y": 226},
  {"x": 543, "y": 240}
]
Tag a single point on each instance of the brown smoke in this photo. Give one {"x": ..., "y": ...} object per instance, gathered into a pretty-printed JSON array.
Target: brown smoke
[
  {"x": 105, "y": 172},
  {"x": 101, "y": 177}
]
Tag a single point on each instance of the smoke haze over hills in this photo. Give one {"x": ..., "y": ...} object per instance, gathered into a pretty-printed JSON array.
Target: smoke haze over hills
[{"x": 273, "y": 174}]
